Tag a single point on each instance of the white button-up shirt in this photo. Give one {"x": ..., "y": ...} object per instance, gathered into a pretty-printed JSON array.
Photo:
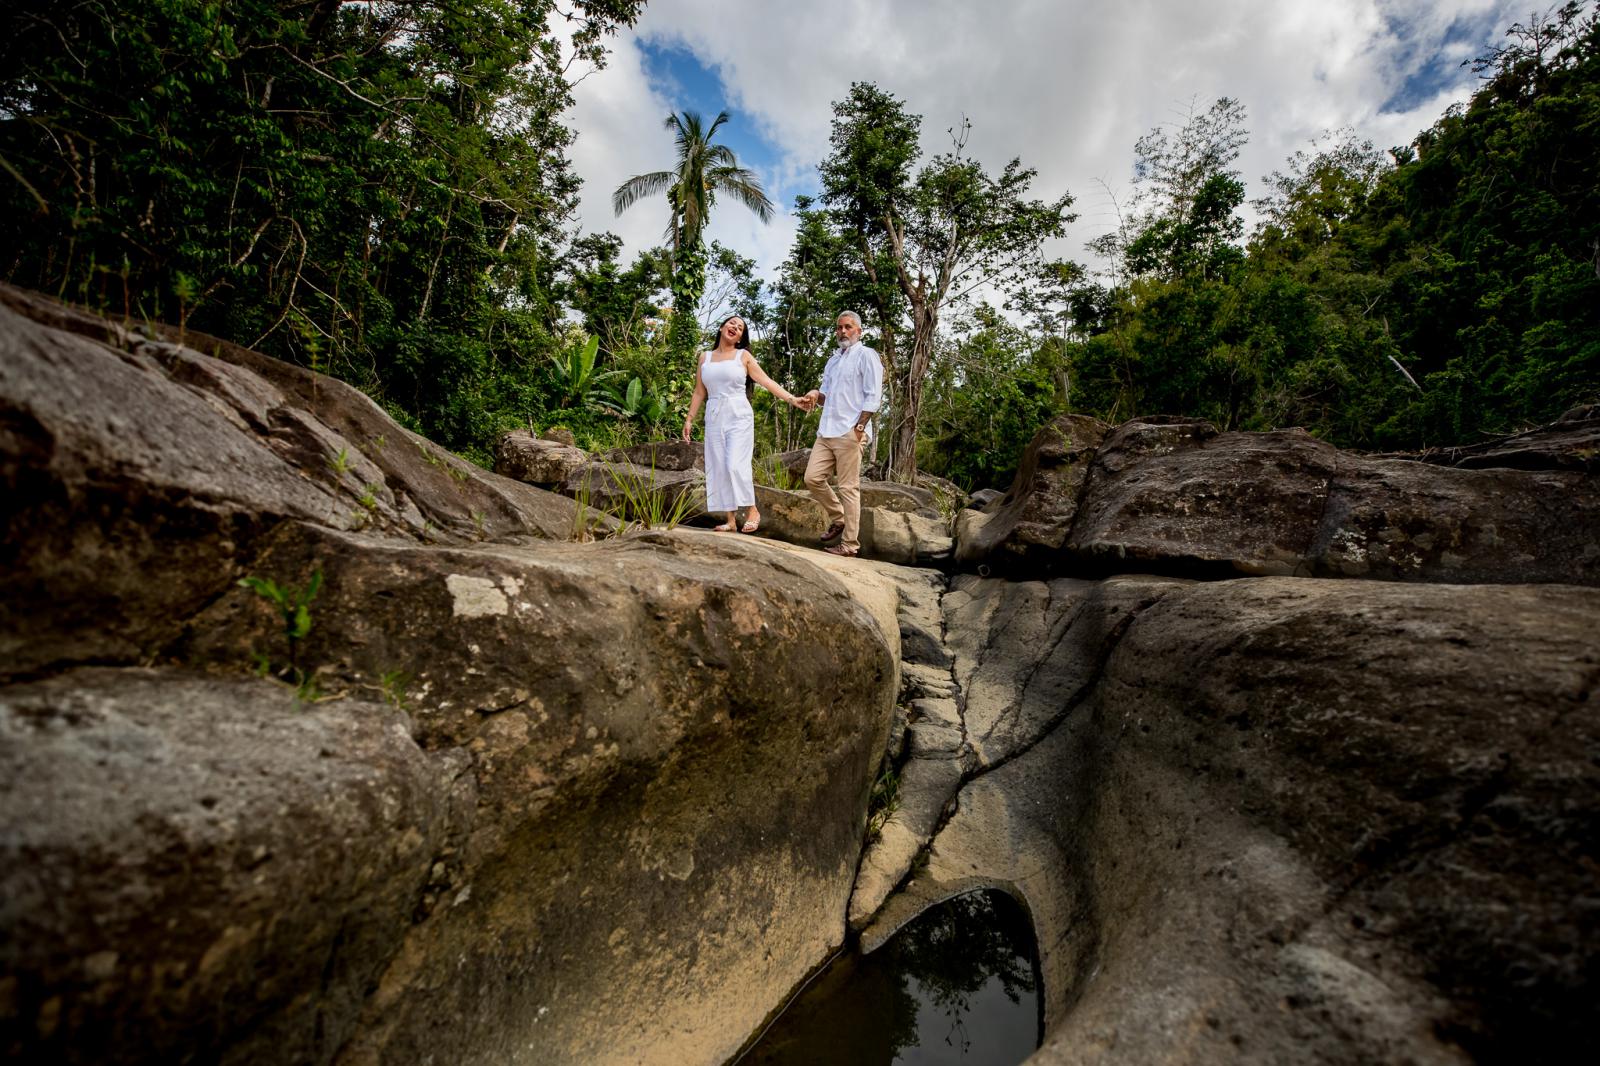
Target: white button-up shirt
[{"x": 852, "y": 382}]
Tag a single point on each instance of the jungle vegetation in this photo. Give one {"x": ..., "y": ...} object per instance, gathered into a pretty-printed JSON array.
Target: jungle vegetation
[{"x": 383, "y": 192}]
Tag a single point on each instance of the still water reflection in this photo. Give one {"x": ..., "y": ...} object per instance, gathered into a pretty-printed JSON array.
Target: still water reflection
[{"x": 958, "y": 985}]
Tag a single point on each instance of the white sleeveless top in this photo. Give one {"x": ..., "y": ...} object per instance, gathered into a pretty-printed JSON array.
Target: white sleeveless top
[{"x": 724, "y": 382}]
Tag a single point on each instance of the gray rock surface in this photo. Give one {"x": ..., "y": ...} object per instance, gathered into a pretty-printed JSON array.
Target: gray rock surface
[
  {"x": 930, "y": 760},
  {"x": 203, "y": 869},
  {"x": 1029, "y": 527},
  {"x": 521, "y": 456},
  {"x": 1298, "y": 820},
  {"x": 1175, "y": 496},
  {"x": 890, "y": 496},
  {"x": 981, "y": 499},
  {"x": 1027, "y": 653},
  {"x": 903, "y": 537},
  {"x": 676, "y": 455},
  {"x": 621, "y": 823},
  {"x": 137, "y": 475}
]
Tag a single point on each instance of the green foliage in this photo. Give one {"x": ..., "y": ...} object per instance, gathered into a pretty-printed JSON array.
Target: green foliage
[
  {"x": 1449, "y": 294},
  {"x": 883, "y": 802},
  {"x": 620, "y": 306},
  {"x": 578, "y": 380},
  {"x": 294, "y": 608},
  {"x": 392, "y": 685},
  {"x": 989, "y": 392},
  {"x": 772, "y": 473},
  {"x": 376, "y": 191},
  {"x": 635, "y": 404},
  {"x": 644, "y": 505}
]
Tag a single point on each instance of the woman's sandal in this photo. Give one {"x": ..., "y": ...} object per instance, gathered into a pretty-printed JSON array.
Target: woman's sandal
[
  {"x": 726, "y": 527},
  {"x": 751, "y": 525}
]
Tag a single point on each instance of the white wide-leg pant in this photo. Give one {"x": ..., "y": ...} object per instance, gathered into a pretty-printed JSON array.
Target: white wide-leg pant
[{"x": 730, "y": 449}]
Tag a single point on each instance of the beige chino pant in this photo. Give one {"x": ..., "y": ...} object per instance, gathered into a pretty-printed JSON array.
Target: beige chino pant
[{"x": 839, "y": 457}]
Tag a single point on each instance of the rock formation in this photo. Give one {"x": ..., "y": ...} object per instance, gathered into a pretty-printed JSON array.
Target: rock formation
[
  {"x": 536, "y": 801},
  {"x": 1291, "y": 753},
  {"x": 1281, "y": 819},
  {"x": 1176, "y": 496}
]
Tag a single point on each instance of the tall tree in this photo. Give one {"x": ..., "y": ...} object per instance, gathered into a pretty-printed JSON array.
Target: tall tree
[
  {"x": 373, "y": 189},
  {"x": 949, "y": 232},
  {"x": 703, "y": 170}
]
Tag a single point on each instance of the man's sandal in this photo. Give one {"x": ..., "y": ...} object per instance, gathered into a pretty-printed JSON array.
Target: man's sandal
[
  {"x": 833, "y": 531},
  {"x": 840, "y": 549}
]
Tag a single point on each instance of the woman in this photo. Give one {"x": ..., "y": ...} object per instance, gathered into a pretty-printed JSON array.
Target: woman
[{"x": 719, "y": 382}]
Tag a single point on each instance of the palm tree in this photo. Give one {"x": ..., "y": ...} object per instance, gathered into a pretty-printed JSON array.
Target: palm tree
[{"x": 703, "y": 170}]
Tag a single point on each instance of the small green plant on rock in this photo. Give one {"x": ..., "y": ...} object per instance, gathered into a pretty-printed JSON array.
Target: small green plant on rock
[
  {"x": 585, "y": 519},
  {"x": 393, "y": 683},
  {"x": 771, "y": 472},
  {"x": 883, "y": 802},
  {"x": 294, "y": 607},
  {"x": 339, "y": 462},
  {"x": 643, "y": 503},
  {"x": 947, "y": 503}
]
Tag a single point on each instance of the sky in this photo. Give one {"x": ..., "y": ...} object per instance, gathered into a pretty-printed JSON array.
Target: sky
[{"x": 1066, "y": 85}]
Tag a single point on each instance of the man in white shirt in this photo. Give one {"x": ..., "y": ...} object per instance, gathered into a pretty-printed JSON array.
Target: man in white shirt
[{"x": 851, "y": 390}]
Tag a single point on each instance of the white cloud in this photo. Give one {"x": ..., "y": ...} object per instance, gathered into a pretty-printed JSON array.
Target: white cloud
[{"x": 1068, "y": 87}]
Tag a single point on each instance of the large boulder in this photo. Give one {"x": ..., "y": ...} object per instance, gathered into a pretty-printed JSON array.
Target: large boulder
[
  {"x": 675, "y": 455},
  {"x": 889, "y": 535},
  {"x": 1178, "y": 497},
  {"x": 618, "y": 820},
  {"x": 1382, "y": 804},
  {"x": 205, "y": 869},
  {"x": 136, "y": 474},
  {"x": 893, "y": 496},
  {"x": 1028, "y": 528},
  {"x": 625, "y": 876},
  {"x": 521, "y": 456}
]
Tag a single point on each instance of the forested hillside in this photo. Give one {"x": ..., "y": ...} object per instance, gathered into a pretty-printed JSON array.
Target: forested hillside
[
  {"x": 383, "y": 191},
  {"x": 1429, "y": 296}
]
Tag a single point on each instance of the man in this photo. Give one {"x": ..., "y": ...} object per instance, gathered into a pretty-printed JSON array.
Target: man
[{"x": 851, "y": 390}]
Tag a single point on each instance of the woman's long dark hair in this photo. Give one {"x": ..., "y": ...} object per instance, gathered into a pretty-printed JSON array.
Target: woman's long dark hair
[{"x": 742, "y": 342}]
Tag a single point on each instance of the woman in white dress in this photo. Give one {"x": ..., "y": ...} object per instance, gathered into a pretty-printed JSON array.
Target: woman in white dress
[{"x": 719, "y": 382}]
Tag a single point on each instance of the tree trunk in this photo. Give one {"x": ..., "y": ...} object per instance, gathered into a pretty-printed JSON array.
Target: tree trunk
[
  {"x": 924, "y": 326},
  {"x": 688, "y": 283}
]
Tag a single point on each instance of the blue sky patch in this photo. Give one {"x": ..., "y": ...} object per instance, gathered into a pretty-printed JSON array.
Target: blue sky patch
[
  {"x": 687, "y": 85},
  {"x": 1435, "y": 65}
]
